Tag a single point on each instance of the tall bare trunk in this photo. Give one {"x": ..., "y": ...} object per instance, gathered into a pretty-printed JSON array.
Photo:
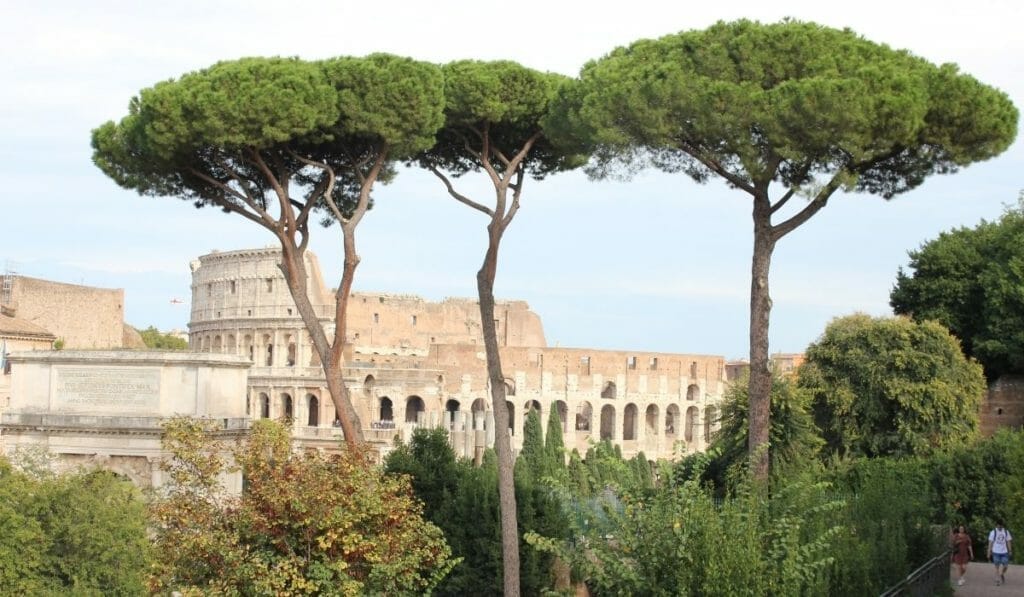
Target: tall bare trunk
[
  {"x": 293, "y": 267},
  {"x": 502, "y": 443},
  {"x": 759, "y": 390}
]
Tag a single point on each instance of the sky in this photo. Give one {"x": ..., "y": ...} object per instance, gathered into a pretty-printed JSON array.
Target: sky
[{"x": 657, "y": 263}]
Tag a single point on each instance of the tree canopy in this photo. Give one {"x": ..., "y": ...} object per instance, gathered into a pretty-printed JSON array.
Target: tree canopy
[
  {"x": 154, "y": 338},
  {"x": 891, "y": 387},
  {"x": 776, "y": 111},
  {"x": 307, "y": 523},
  {"x": 275, "y": 141},
  {"x": 81, "y": 533},
  {"x": 971, "y": 280}
]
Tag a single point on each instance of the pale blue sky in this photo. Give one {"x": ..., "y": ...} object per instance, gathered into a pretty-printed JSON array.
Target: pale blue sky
[{"x": 658, "y": 263}]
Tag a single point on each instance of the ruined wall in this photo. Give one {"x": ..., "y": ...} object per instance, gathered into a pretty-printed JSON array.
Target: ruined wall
[
  {"x": 1003, "y": 405},
  {"x": 81, "y": 316},
  {"x": 243, "y": 293},
  {"x": 417, "y": 363}
]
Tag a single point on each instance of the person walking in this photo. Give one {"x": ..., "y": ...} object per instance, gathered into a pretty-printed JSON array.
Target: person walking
[
  {"x": 963, "y": 552},
  {"x": 1000, "y": 548}
]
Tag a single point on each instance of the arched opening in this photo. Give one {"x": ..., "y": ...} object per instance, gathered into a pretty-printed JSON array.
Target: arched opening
[
  {"x": 287, "y": 411},
  {"x": 250, "y": 347},
  {"x": 691, "y": 423},
  {"x": 629, "y": 422},
  {"x": 229, "y": 346},
  {"x": 710, "y": 423},
  {"x": 264, "y": 406},
  {"x": 313, "y": 407},
  {"x": 386, "y": 413},
  {"x": 651, "y": 419},
  {"x": 368, "y": 384},
  {"x": 479, "y": 405},
  {"x": 692, "y": 392},
  {"x": 269, "y": 354},
  {"x": 671, "y": 420},
  {"x": 584, "y": 416},
  {"x": 413, "y": 407},
  {"x": 607, "y": 421},
  {"x": 563, "y": 414},
  {"x": 609, "y": 390},
  {"x": 451, "y": 406},
  {"x": 291, "y": 354},
  {"x": 206, "y": 344},
  {"x": 532, "y": 405},
  {"x": 510, "y": 387},
  {"x": 511, "y": 416}
]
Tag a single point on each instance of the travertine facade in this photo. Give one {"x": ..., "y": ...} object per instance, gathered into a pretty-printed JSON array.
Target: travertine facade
[{"x": 414, "y": 362}]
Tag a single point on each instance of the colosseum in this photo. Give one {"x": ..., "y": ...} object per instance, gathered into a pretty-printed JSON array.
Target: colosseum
[{"x": 411, "y": 362}]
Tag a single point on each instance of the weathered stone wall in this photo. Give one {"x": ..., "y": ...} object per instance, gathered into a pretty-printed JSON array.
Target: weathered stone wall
[
  {"x": 106, "y": 408},
  {"x": 1004, "y": 405},
  {"x": 243, "y": 293},
  {"x": 415, "y": 362},
  {"x": 81, "y": 316}
]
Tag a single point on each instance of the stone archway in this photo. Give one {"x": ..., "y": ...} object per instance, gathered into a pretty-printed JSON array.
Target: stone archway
[
  {"x": 629, "y": 422},
  {"x": 651, "y": 419},
  {"x": 692, "y": 414},
  {"x": 672, "y": 420},
  {"x": 313, "y": 408},
  {"x": 607, "y": 422},
  {"x": 413, "y": 407},
  {"x": 584, "y": 416}
]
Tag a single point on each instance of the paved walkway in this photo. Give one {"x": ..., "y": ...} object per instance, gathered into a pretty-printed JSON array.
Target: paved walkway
[{"x": 980, "y": 581}]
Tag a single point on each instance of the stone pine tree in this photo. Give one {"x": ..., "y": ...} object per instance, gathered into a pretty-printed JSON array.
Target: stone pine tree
[
  {"x": 281, "y": 142},
  {"x": 493, "y": 113},
  {"x": 779, "y": 111}
]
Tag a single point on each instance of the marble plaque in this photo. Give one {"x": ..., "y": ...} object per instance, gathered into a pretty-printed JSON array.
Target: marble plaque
[{"x": 117, "y": 389}]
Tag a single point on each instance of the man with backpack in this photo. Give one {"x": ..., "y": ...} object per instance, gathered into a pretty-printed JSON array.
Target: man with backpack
[{"x": 1000, "y": 547}]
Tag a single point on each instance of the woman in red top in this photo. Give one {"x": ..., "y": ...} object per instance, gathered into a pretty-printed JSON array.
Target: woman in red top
[{"x": 963, "y": 552}]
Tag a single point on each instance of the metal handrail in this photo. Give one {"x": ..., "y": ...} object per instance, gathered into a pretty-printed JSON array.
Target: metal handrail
[{"x": 923, "y": 581}]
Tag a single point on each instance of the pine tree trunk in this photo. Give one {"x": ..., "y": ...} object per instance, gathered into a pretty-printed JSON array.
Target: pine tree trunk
[
  {"x": 294, "y": 269},
  {"x": 502, "y": 443},
  {"x": 760, "y": 312}
]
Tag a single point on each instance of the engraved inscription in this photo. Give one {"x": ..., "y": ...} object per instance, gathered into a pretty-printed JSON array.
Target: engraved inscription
[{"x": 121, "y": 389}]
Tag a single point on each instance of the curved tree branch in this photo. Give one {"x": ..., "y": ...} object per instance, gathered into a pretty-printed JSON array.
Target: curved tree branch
[{"x": 458, "y": 196}]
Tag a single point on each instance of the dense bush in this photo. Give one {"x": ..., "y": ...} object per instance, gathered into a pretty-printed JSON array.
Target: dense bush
[{"x": 81, "y": 533}]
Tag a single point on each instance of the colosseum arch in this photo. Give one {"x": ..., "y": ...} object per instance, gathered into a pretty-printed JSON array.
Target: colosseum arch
[
  {"x": 264, "y": 406},
  {"x": 313, "y": 408},
  {"x": 607, "y": 422},
  {"x": 287, "y": 407},
  {"x": 691, "y": 423},
  {"x": 629, "y": 422},
  {"x": 511, "y": 416},
  {"x": 563, "y": 414},
  {"x": 292, "y": 351},
  {"x": 692, "y": 392},
  {"x": 479, "y": 406},
  {"x": 386, "y": 409},
  {"x": 609, "y": 390},
  {"x": 247, "y": 343},
  {"x": 651, "y": 419},
  {"x": 231, "y": 347},
  {"x": 413, "y": 407},
  {"x": 672, "y": 420},
  {"x": 510, "y": 387},
  {"x": 532, "y": 405},
  {"x": 452, "y": 406},
  {"x": 368, "y": 382},
  {"x": 584, "y": 416},
  {"x": 710, "y": 423}
]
